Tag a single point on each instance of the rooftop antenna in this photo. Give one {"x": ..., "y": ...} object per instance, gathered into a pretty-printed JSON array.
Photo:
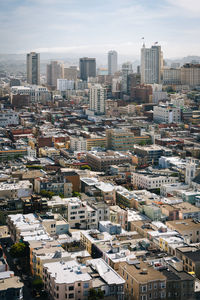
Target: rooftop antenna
[{"x": 156, "y": 43}]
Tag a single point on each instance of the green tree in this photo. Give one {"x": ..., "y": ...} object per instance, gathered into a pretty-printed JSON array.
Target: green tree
[
  {"x": 85, "y": 167},
  {"x": 19, "y": 250},
  {"x": 95, "y": 294},
  {"x": 76, "y": 194},
  {"x": 37, "y": 284},
  {"x": 47, "y": 194}
]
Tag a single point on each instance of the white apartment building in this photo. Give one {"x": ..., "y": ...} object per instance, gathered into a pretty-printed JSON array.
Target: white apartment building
[
  {"x": 8, "y": 117},
  {"x": 151, "y": 64},
  {"x": 36, "y": 92},
  {"x": 16, "y": 190},
  {"x": 97, "y": 98},
  {"x": 65, "y": 84},
  {"x": 78, "y": 143},
  {"x": 149, "y": 181},
  {"x": 166, "y": 114}
]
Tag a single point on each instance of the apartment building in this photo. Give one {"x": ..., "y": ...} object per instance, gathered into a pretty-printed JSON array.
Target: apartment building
[
  {"x": 187, "y": 211},
  {"x": 188, "y": 228},
  {"x": 15, "y": 189},
  {"x": 90, "y": 237},
  {"x": 191, "y": 259},
  {"x": 166, "y": 113},
  {"x": 120, "y": 139},
  {"x": 11, "y": 286},
  {"x": 100, "y": 161},
  {"x": 152, "y": 153},
  {"x": 143, "y": 282},
  {"x": 150, "y": 181},
  {"x": 190, "y": 75},
  {"x": 8, "y": 117},
  {"x": 37, "y": 93}
]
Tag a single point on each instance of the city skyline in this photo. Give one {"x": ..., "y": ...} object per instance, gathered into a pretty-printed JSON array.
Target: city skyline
[{"x": 69, "y": 27}]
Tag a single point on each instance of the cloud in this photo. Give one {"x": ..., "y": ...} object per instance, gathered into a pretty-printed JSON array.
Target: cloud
[{"x": 188, "y": 6}]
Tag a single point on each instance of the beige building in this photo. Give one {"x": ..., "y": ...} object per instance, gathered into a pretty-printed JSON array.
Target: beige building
[
  {"x": 71, "y": 73},
  {"x": 120, "y": 139},
  {"x": 143, "y": 282},
  {"x": 190, "y": 75},
  {"x": 188, "y": 228}
]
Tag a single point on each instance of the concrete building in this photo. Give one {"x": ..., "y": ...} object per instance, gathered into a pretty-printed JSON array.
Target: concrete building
[
  {"x": 8, "y": 117},
  {"x": 151, "y": 64},
  {"x": 65, "y": 84},
  {"x": 127, "y": 69},
  {"x": 151, "y": 153},
  {"x": 55, "y": 71},
  {"x": 11, "y": 287},
  {"x": 36, "y": 93},
  {"x": 191, "y": 259},
  {"x": 151, "y": 181},
  {"x": 33, "y": 68},
  {"x": 16, "y": 189},
  {"x": 87, "y": 68},
  {"x": 97, "y": 98},
  {"x": 142, "y": 280},
  {"x": 166, "y": 113},
  {"x": 78, "y": 143},
  {"x": 101, "y": 161},
  {"x": 71, "y": 73},
  {"x": 112, "y": 62},
  {"x": 190, "y": 75},
  {"x": 171, "y": 76},
  {"x": 120, "y": 139},
  {"x": 188, "y": 228}
]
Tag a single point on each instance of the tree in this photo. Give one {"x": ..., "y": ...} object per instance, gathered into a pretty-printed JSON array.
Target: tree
[
  {"x": 19, "y": 250},
  {"x": 47, "y": 194},
  {"x": 95, "y": 294},
  {"x": 86, "y": 167},
  {"x": 76, "y": 194},
  {"x": 37, "y": 284}
]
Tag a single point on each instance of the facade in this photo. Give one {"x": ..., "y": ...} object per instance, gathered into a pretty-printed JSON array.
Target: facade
[
  {"x": 151, "y": 65},
  {"x": 188, "y": 228},
  {"x": 127, "y": 69},
  {"x": 11, "y": 287},
  {"x": 152, "y": 153},
  {"x": 16, "y": 190},
  {"x": 71, "y": 73},
  {"x": 112, "y": 62},
  {"x": 33, "y": 68},
  {"x": 171, "y": 76},
  {"x": 65, "y": 84},
  {"x": 54, "y": 72},
  {"x": 120, "y": 140},
  {"x": 36, "y": 93},
  {"x": 87, "y": 68},
  {"x": 101, "y": 161},
  {"x": 143, "y": 282},
  {"x": 142, "y": 94},
  {"x": 166, "y": 114},
  {"x": 8, "y": 118},
  {"x": 150, "y": 182},
  {"x": 190, "y": 75},
  {"x": 97, "y": 98}
]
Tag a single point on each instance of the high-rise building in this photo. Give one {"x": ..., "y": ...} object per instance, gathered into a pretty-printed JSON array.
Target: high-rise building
[
  {"x": 190, "y": 75},
  {"x": 126, "y": 71},
  {"x": 112, "y": 62},
  {"x": 54, "y": 72},
  {"x": 97, "y": 98},
  {"x": 33, "y": 68},
  {"x": 71, "y": 73},
  {"x": 151, "y": 64},
  {"x": 87, "y": 68}
]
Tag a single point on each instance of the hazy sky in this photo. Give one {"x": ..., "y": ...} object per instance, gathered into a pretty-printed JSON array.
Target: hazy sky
[{"x": 96, "y": 26}]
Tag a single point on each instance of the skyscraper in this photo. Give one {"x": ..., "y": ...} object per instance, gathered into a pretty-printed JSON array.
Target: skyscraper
[
  {"x": 151, "y": 64},
  {"x": 54, "y": 72},
  {"x": 112, "y": 62},
  {"x": 87, "y": 68},
  {"x": 33, "y": 68},
  {"x": 97, "y": 98},
  {"x": 126, "y": 70}
]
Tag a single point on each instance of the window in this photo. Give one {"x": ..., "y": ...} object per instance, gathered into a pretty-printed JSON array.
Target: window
[
  {"x": 79, "y": 284},
  {"x": 155, "y": 286},
  {"x": 86, "y": 285},
  {"x": 57, "y": 288},
  {"x": 71, "y": 288},
  {"x": 143, "y": 288},
  {"x": 150, "y": 286},
  {"x": 71, "y": 296}
]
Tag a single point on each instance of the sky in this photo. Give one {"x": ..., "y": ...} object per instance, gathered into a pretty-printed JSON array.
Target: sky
[{"x": 83, "y": 27}]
